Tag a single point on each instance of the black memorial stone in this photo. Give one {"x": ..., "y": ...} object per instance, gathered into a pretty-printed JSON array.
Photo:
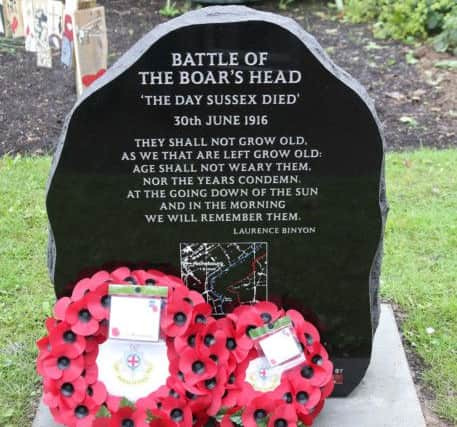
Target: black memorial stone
[{"x": 227, "y": 148}]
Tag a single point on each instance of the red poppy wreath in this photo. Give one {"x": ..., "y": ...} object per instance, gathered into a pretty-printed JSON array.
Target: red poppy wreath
[{"x": 211, "y": 362}]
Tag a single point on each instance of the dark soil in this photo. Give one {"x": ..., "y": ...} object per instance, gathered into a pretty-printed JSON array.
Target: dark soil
[{"x": 417, "y": 104}]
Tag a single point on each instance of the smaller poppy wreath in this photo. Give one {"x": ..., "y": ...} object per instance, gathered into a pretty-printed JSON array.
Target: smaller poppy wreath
[{"x": 208, "y": 359}]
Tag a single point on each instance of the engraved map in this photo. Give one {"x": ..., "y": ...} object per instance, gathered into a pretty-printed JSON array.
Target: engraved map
[{"x": 227, "y": 274}]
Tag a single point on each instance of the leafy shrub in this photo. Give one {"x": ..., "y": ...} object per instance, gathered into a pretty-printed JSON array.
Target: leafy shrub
[
  {"x": 358, "y": 11},
  {"x": 408, "y": 19},
  {"x": 447, "y": 39}
]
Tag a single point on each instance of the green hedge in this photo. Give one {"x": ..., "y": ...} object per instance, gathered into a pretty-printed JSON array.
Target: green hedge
[{"x": 409, "y": 19}]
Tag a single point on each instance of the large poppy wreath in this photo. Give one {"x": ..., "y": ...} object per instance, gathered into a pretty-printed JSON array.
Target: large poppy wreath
[{"x": 207, "y": 357}]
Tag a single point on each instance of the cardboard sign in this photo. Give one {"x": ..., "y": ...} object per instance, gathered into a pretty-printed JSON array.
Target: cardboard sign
[
  {"x": 29, "y": 25},
  {"x": 41, "y": 32},
  {"x": 15, "y": 20},
  {"x": 91, "y": 46},
  {"x": 41, "y": 21},
  {"x": 55, "y": 28},
  {"x": 68, "y": 46},
  {"x": 44, "y": 57},
  {"x": 86, "y": 4}
]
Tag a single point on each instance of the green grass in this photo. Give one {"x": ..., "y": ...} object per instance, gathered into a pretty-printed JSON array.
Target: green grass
[
  {"x": 420, "y": 266},
  {"x": 419, "y": 271},
  {"x": 25, "y": 291}
]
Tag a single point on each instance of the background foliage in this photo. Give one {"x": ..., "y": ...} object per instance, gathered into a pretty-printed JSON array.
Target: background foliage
[{"x": 409, "y": 19}]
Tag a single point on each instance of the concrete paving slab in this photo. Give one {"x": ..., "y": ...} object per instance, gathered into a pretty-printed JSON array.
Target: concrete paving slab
[{"x": 385, "y": 398}]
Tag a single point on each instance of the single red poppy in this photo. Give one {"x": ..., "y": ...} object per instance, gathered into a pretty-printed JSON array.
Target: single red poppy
[
  {"x": 305, "y": 396},
  {"x": 44, "y": 348},
  {"x": 160, "y": 419},
  {"x": 316, "y": 375},
  {"x": 216, "y": 387},
  {"x": 97, "y": 392},
  {"x": 50, "y": 323},
  {"x": 128, "y": 416},
  {"x": 213, "y": 387},
  {"x": 82, "y": 288},
  {"x": 60, "y": 307},
  {"x": 191, "y": 297},
  {"x": 82, "y": 415},
  {"x": 239, "y": 371},
  {"x": 319, "y": 354},
  {"x": 268, "y": 311},
  {"x": 191, "y": 339},
  {"x": 178, "y": 411},
  {"x": 201, "y": 314},
  {"x": 212, "y": 342},
  {"x": 327, "y": 390},
  {"x": 235, "y": 383},
  {"x": 51, "y": 397},
  {"x": 256, "y": 411},
  {"x": 98, "y": 302},
  {"x": 66, "y": 394},
  {"x": 284, "y": 415},
  {"x": 153, "y": 399},
  {"x": 101, "y": 277},
  {"x": 90, "y": 373},
  {"x": 168, "y": 280},
  {"x": 177, "y": 318},
  {"x": 283, "y": 393},
  {"x": 196, "y": 298},
  {"x": 81, "y": 320},
  {"x": 142, "y": 277},
  {"x": 245, "y": 319},
  {"x": 238, "y": 348},
  {"x": 62, "y": 335},
  {"x": 59, "y": 364},
  {"x": 230, "y": 398},
  {"x": 196, "y": 366},
  {"x": 306, "y": 332},
  {"x": 113, "y": 402},
  {"x": 120, "y": 274}
]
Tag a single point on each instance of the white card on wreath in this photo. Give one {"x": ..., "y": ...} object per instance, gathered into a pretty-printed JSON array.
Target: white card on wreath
[
  {"x": 135, "y": 318},
  {"x": 132, "y": 369},
  {"x": 280, "y": 346}
]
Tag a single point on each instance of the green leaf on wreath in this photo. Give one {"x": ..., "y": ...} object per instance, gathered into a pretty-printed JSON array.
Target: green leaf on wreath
[
  {"x": 125, "y": 402},
  {"x": 221, "y": 414},
  {"x": 236, "y": 417},
  {"x": 103, "y": 412}
]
